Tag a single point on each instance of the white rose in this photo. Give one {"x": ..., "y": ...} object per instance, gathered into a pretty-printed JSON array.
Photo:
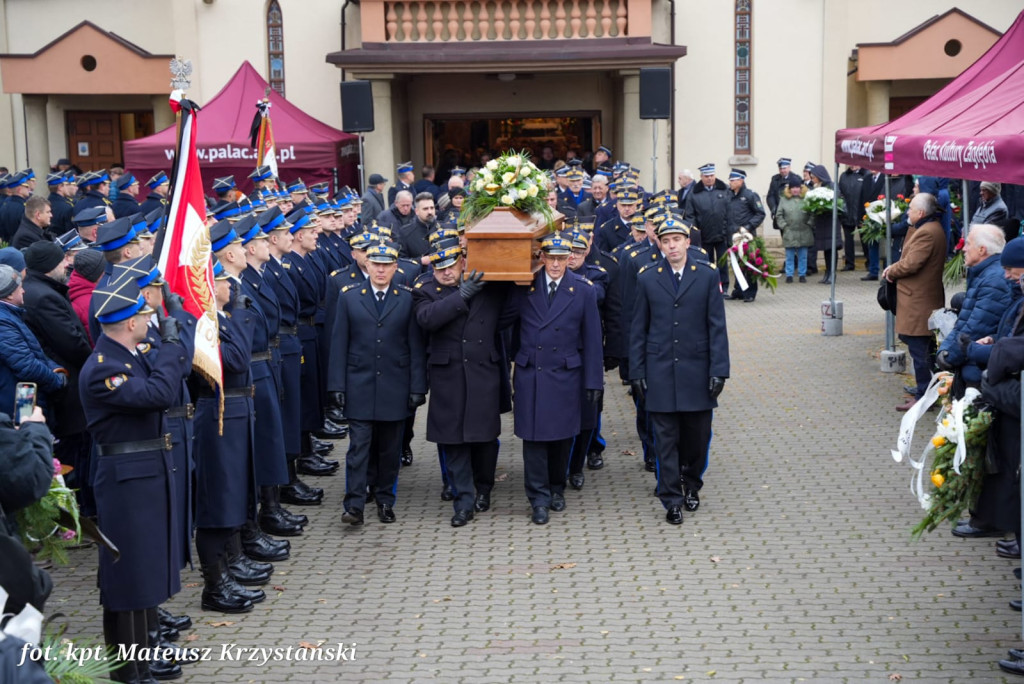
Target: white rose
[
  {"x": 505, "y": 199},
  {"x": 512, "y": 161},
  {"x": 524, "y": 172},
  {"x": 507, "y": 177},
  {"x": 479, "y": 185},
  {"x": 532, "y": 191},
  {"x": 493, "y": 164}
]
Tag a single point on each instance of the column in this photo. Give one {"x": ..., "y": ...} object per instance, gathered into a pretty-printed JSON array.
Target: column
[
  {"x": 36, "y": 139},
  {"x": 163, "y": 115},
  {"x": 379, "y": 144},
  {"x": 56, "y": 129},
  {"x": 638, "y": 137},
  {"x": 878, "y": 101}
]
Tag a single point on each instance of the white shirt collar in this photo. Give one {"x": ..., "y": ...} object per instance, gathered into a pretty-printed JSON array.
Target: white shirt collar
[{"x": 548, "y": 281}]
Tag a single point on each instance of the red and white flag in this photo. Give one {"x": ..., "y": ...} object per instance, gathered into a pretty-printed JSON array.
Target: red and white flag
[
  {"x": 184, "y": 257},
  {"x": 262, "y": 136}
]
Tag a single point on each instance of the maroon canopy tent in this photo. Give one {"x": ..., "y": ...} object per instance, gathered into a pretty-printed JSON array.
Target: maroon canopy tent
[
  {"x": 970, "y": 129},
  {"x": 306, "y": 148}
]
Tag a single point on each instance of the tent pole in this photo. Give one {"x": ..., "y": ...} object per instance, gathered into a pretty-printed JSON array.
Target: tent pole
[
  {"x": 965, "y": 217},
  {"x": 362, "y": 182},
  {"x": 890, "y": 320},
  {"x": 835, "y": 228}
]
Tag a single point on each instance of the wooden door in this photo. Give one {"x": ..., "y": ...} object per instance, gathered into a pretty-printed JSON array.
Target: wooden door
[{"x": 94, "y": 139}]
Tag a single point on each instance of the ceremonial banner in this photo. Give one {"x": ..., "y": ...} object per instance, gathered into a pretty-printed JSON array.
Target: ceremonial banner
[
  {"x": 184, "y": 256},
  {"x": 263, "y": 136}
]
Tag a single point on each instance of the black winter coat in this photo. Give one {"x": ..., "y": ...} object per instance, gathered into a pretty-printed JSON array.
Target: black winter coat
[{"x": 709, "y": 210}]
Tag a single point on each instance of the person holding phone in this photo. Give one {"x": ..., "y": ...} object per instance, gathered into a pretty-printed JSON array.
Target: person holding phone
[{"x": 23, "y": 359}]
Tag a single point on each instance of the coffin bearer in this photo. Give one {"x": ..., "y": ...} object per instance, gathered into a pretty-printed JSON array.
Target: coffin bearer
[
  {"x": 678, "y": 363},
  {"x": 461, "y": 319},
  {"x": 558, "y": 367}
]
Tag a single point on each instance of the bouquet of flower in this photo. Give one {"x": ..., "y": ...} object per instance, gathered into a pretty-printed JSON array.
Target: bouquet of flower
[
  {"x": 749, "y": 252},
  {"x": 955, "y": 269},
  {"x": 820, "y": 201},
  {"x": 511, "y": 181},
  {"x": 872, "y": 229},
  {"x": 41, "y": 525},
  {"x": 956, "y": 486}
]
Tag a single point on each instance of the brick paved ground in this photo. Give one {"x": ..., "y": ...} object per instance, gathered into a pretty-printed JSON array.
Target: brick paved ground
[{"x": 798, "y": 566}]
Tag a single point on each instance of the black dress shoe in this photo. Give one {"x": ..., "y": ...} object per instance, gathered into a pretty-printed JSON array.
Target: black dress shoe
[
  {"x": 461, "y": 518},
  {"x": 482, "y": 503},
  {"x": 295, "y": 518},
  {"x": 385, "y": 513},
  {"x": 595, "y": 461},
  {"x": 321, "y": 457},
  {"x": 164, "y": 670},
  {"x": 334, "y": 415},
  {"x": 1009, "y": 551},
  {"x": 253, "y": 595},
  {"x": 748, "y": 300},
  {"x": 1016, "y": 654},
  {"x": 869, "y": 277},
  {"x": 273, "y": 522},
  {"x": 371, "y": 494},
  {"x": 540, "y": 515},
  {"x": 826, "y": 279},
  {"x": 301, "y": 494},
  {"x": 1006, "y": 543},
  {"x": 557, "y": 502},
  {"x": 691, "y": 501},
  {"x": 320, "y": 446},
  {"x": 803, "y": 279},
  {"x": 329, "y": 431},
  {"x": 353, "y": 517},
  {"x": 812, "y": 270},
  {"x": 169, "y": 633},
  {"x": 178, "y": 622},
  {"x": 245, "y": 574},
  {"x": 649, "y": 466},
  {"x": 240, "y": 560},
  {"x": 308, "y": 465},
  {"x": 1015, "y": 605},
  {"x": 674, "y": 515},
  {"x": 256, "y": 544},
  {"x": 217, "y": 593},
  {"x": 407, "y": 456},
  {"x": 969, "y": 531},
  {"x": 447, "y": 494},
  {"x": 1012, "y": 666},
  {"x": 848, "y": 267},
  {"x": 576, "y": 480}
]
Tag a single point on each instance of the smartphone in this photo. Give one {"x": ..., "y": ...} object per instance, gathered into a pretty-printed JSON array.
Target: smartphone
[{"x": 24, "y": 401}]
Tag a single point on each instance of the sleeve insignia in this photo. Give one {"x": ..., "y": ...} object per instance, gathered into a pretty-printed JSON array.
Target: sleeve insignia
[
  {"x": 115, "y": 381},
  {"x": 349, "y": 287},
  {"x": 99, "y": 358},
  {"x": 286, "y": 265},
  {"x": 418, "y": 285},
  {"x": 143, "y": 347},
  {"x": 335, "y": 272}
]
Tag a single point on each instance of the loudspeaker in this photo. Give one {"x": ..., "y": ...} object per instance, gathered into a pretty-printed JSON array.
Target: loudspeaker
[
  {"x": 656, "y": 93},
  {"x": 356, "y": 106}
]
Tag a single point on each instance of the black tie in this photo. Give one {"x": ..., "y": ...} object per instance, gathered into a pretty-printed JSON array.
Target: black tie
[
  {"x": 552, "y": 287},
  {"x": 380, "y": 302},
  {"x": 678, "y": 279}
]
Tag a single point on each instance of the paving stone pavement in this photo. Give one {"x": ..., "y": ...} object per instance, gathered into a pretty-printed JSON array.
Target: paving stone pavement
[{"x": 798, "y": 566}]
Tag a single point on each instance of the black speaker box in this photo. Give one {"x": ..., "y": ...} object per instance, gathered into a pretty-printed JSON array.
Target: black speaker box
[
  {"x": 656, "y": 93},
  {"x": 356, "y": 107}
]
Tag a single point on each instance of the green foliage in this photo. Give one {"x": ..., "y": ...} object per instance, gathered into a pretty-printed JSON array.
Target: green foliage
[
  {"x": 957, "y": 493},
  {"x": 750, "y": 252},
  {"x": 39, "y": 527},
  {"x": 955, "y": 270},
  {"x": 63, "y": 670}
]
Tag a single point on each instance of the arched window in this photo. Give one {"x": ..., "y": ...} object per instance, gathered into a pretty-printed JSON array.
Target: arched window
[{"x": 275, "y": 47}]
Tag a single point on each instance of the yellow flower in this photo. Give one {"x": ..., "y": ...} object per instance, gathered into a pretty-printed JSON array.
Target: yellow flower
[
  {"x": 507, "y": 200},
  {"x": 938, "y": 440},
  {"x": 525, "y": 171},
  {"x": 508, "y": 177},
  {"x": 532, "y": 191},
  {"x": 937, "y": 479}
]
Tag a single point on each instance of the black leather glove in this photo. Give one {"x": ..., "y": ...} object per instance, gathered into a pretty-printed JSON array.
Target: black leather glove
[
  {"x": 471, "y": 285},
  {"x": 416, "y": 400},
  {"x": 942, "y": 361},
  {"x": 715, "y": 387},
  {"x": 594, "y": 397},
  {"x": 964, "y": 340},
  {"x": 175, "y": 303},
  {"x": 610, "y": 363},
  {"x": 170, "y": 329},
  {"x": 337, "y": 400},
  {"x": 639, "y": 389},
  {"x": 241, "y": 302}
]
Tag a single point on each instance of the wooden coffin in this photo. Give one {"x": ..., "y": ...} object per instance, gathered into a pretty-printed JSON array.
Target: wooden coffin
[{"x": 505, "y": 244}]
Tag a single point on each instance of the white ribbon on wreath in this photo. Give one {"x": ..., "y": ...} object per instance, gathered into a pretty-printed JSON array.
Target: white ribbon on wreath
[{"x": 740, "y": 240}]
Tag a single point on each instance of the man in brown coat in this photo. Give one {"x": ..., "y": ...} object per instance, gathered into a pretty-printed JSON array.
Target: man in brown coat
[{"x": 918, "y": 278}]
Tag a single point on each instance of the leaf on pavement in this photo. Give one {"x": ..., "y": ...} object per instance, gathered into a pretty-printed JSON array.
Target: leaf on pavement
[
  {"x": 222, "y": 623},
  {"x": 628, "y": 452},
  {"x": 563, "y": 566},
  {"x": 278, "y": 587},
  {"x": 191, "y": 637},
  {"x": 193, "y": 585},
  {"x": 308, "y": 645},
  {"x": 501, "y": 477},
  {"x": 715, "y": 559},
  {"x": 895, "y": 677}
]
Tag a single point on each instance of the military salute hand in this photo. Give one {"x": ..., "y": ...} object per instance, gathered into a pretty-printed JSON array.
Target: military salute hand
[
  {"x": 639, "y": 388},
  {"x": 472, "y": 284},
  {"x": 337, "y": 400},
  {"x": 175, "y": 303},
  {"x": 170, "y": 329},
  {"x": 716, "y": 386},
  {"x": 416, "y": 400}
]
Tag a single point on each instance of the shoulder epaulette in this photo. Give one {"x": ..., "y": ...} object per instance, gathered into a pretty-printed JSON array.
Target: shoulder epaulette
[
  {"x": 286, "y": 264},
  {"x": 418, "y": 285},
  {"x": 349, "y": 287},
  {"x": 404, "y": 287},
  {"x": 335, "y": 272},
  {"x": 587, "y": 281},
  {"x": 633, "y": 253},
  {"x": 644, "y": 268},
  {"x": 600, "y": 268}
]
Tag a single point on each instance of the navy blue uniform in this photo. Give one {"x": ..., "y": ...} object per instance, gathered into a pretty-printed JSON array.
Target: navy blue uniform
[
  {"x": 152, "y": 202},
  {"x": 558, "y": 357},
  {"x": 276, "y": 275},
  {"x": 678, "y": 341},
  {"x": 11, "y": 213},
  {"x": 612, "y": 233},
  {"x": 124, "y": 401},
  {"x": 224, "y": 477},
  {"x": 125, "y": 205},
  {"x": 63, "y": 209},
  {"x": 307, "y": 285},
  {"x": 91, "y": 199},
  {"x": 377, "y": 360}
]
